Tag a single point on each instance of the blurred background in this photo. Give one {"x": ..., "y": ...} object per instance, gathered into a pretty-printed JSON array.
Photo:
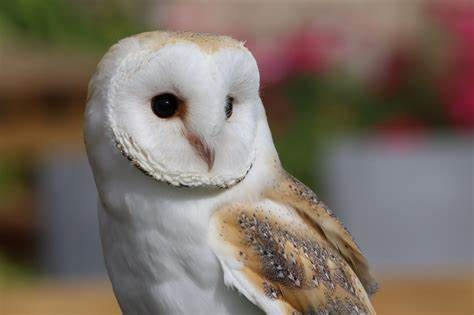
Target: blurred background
[{"x": 371, "y": 103}]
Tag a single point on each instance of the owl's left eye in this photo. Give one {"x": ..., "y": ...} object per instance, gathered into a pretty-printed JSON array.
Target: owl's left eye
[
  {"x": 229, "y": 106},
  {"x": 164, "y": 105}
]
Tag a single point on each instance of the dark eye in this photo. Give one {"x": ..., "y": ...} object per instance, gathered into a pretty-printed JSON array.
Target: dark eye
[
  {"x": 229, "y": 106},
  {"x": 164, "y": 105}
]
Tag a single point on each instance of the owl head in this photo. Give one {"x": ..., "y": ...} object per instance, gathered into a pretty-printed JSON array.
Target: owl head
[{"x": 183, "y": 108}]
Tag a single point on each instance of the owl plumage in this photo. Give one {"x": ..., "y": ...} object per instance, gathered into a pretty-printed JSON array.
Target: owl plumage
[{"x": 196, "y": 213}]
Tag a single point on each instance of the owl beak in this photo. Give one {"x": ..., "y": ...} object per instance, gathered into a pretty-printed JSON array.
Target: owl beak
[{"x": 205, "y": 152}]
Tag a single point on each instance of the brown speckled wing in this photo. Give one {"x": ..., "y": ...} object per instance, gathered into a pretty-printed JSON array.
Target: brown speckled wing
[
  {"x": 294, "y": 193},
  {"x": 280, "y": 261}
]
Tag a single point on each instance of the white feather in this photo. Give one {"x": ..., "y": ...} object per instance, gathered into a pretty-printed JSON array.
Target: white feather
[{"x": 154, "y": 235}]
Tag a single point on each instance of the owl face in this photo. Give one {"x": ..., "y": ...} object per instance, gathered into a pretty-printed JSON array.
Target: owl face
[{"x": 183, "y": 108}]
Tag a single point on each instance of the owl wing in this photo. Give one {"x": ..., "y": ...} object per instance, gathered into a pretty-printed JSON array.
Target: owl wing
[
  {"x": 291, "y": 191},
  {"x": 288, "y": 255}
]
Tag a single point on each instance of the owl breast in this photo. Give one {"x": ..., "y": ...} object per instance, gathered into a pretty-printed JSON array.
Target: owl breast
[{"x": 159, "y": 260}]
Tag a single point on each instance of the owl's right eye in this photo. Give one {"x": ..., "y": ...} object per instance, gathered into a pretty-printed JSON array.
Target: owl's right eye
[{"x": 164, "y": 105}]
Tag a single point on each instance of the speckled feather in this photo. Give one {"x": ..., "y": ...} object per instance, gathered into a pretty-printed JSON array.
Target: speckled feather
[
  {"x": 284, "y": 251},
  {"x": 296, "y": 194}
]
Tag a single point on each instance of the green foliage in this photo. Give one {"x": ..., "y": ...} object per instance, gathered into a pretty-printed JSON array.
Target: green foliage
[
  {"x": 13, "y": 273},
  {"x": 322, "y": 107},
  {"x": 12, "y": 176},
  {"x": 332, "y": 104},
  {"x": 69, "y": 23}
]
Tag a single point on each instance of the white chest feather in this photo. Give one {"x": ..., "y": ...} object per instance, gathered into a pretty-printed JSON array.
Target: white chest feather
[
  {"x": 155, "y": 241},
  {"x": 159, "y": 262}
]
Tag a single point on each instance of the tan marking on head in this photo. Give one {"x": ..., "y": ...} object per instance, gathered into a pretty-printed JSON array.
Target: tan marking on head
[{"x": 208, "y": 43}]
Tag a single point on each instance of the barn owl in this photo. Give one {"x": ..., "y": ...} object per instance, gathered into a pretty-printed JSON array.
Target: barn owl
[{"x": 196, "y": 213}]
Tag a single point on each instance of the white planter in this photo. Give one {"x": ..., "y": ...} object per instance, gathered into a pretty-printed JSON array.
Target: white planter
[
  {"x": 69, "y": 242},
  {"x": 409, "y": 204}
]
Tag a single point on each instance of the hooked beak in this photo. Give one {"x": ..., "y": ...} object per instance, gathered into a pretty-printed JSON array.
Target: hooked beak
[{"x": 206, "y": 153}]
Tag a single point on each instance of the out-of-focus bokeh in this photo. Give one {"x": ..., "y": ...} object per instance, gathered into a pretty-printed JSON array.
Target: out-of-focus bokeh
[{"x": 371, "y": 103}]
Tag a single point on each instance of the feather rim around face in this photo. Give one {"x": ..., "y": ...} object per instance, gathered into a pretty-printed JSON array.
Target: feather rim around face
[
  {"x": 177, "y": 182},
  {"x": 148, "y": 45}
]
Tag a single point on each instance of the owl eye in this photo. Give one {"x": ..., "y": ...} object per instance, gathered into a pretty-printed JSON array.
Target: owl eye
[
  {"x": 164, "y": 105},
  {"x": 229, "y": 106}
]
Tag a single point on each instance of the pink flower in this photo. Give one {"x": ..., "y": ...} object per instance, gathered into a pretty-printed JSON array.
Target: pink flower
[
  {"x": 308, "y": 50},
  {"x": 460, "y": 99},
  {"x": 458, "y": 83},
  {"x": 303, "y": 51},
  {"x": 395, "y": 71},
  {"x": 401, "y": 125},
  {"x": 271, "y": 61},
  {"x": 402, "y": 132}
]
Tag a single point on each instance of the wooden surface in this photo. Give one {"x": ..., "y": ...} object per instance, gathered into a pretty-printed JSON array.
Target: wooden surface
[
  {"x": 42, "y": 97},
  {"x": 447, "y": 295}
]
